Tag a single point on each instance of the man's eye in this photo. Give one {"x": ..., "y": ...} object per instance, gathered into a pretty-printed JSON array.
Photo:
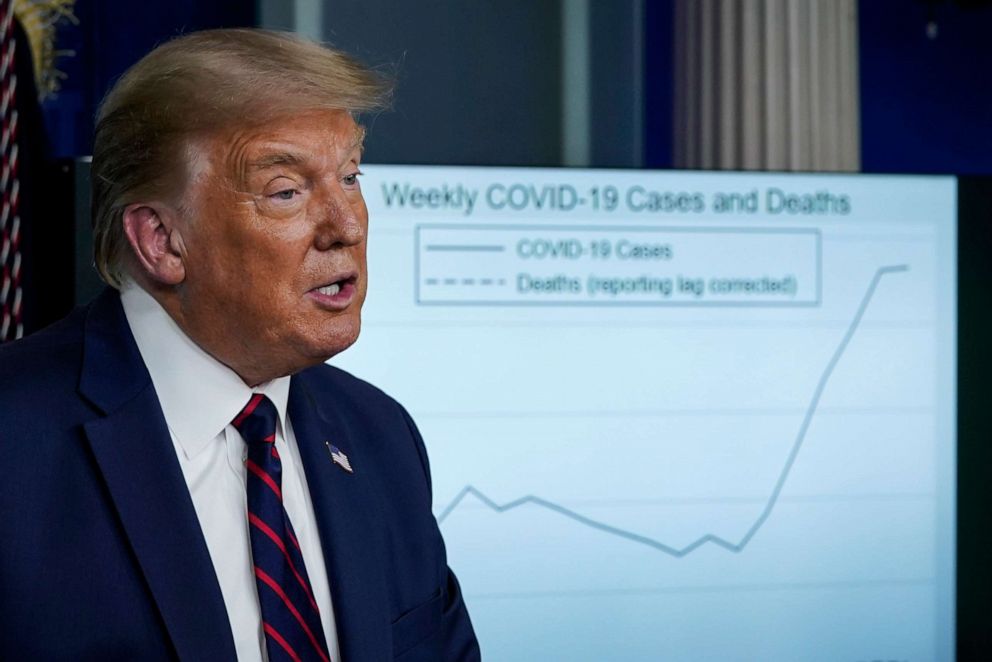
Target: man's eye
[
  {"x": 352, "y": 179},
  {"x": 288, "y": 194}
]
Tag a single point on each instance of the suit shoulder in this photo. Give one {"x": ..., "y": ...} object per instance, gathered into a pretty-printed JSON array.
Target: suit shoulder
[{"x": 43, "y": 360}]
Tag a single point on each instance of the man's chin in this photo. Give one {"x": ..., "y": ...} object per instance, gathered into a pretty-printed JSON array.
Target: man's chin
[{"x": 334, "y": 345}]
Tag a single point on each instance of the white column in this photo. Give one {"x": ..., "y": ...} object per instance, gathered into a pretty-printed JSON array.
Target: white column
[{"x": 766, "y": 84}]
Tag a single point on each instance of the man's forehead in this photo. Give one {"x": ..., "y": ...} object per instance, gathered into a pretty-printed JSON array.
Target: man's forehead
[
  {"x": 295, "y": 146},
  {"x": 327, "y": 138}
]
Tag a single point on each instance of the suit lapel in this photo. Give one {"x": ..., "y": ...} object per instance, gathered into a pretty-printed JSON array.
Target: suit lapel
[
  {"x": 346, "y": 509},
  {"x": 138, "y": 463}
]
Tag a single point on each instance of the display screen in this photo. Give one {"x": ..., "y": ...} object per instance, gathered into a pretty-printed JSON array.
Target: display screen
[{"x": 678, "y": 415}]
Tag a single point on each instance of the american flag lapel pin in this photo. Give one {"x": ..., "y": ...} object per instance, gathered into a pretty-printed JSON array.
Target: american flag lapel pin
[{"x": 339, "y": 458}]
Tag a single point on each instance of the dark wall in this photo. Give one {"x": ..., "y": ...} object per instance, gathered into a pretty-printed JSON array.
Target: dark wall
[
  {"x": 926, "y": 104},
  {"x": 617, "y": 81},
  {"x": 974, "y": 571},
  {"x": 478, "y": 81}
]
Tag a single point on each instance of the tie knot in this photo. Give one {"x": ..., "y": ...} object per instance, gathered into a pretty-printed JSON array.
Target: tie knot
[{"x": 257, "y": 421}]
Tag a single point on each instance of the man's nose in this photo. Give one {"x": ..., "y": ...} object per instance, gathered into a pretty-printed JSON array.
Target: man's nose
[{"x": 340, "y": 222}]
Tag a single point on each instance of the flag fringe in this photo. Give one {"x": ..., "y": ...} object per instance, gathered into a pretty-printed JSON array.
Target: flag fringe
[{"x": 40, "y": 20}]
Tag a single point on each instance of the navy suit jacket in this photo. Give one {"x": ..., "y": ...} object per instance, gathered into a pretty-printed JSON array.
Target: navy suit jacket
[{"x": 101, "y": 553}]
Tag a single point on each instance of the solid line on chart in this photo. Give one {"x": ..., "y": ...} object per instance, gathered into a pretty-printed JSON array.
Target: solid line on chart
[
  {"x": 735, "y": 547},
  {"x": 467, "y": 248}
]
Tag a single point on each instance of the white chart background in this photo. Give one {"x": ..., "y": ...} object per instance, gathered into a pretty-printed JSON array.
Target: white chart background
[{"x": 658, "y": 482}]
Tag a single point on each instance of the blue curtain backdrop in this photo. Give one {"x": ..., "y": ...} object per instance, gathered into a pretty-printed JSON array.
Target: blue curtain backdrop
[
  {"x": 926, "y": 103},
  {"x": 110, "y": 36}
]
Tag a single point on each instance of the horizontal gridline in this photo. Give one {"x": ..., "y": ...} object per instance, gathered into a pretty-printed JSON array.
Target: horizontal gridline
[
  {"x": 707, "y": 411},
  {"x": 714, "y": 588}
]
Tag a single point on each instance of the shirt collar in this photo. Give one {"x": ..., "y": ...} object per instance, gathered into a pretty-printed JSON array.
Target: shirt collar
[{"x": 199, "y": 395}]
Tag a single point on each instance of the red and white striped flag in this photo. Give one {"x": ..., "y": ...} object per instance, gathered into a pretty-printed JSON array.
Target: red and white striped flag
[{"x": 11, "y": 294}]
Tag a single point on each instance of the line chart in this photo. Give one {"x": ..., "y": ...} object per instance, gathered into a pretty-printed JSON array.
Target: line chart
[{"x": 709, "y": 538}]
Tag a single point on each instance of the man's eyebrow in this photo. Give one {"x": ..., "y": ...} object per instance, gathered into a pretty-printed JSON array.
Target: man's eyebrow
[
  {"x": 291, "y": 159},
  {"x": 276, "y": 159}
]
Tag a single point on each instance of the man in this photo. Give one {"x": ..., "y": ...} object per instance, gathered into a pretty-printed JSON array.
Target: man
[{"x": 183, "y": 477}]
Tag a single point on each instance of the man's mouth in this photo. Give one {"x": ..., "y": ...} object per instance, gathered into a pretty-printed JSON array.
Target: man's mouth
[{"x": 337, "y": 294}]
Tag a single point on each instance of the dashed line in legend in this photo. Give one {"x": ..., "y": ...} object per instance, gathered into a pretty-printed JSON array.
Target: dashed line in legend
[{"x": 556, "y": 265}]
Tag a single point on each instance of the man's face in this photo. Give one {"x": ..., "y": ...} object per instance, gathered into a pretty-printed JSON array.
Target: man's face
[{"x": 274, "y": 244}]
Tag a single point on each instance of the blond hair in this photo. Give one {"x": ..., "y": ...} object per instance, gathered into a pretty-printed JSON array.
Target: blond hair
[{"x": 197, "y": 84}]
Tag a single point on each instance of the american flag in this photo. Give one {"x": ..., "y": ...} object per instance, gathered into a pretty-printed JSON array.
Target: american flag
[{"x": 338, "y": 457}]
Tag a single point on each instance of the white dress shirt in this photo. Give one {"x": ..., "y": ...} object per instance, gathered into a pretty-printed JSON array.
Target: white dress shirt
[{"x": 200, "y": 397}]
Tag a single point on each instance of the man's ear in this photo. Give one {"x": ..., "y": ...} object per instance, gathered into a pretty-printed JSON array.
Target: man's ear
[{"x": 156, "y": 243}]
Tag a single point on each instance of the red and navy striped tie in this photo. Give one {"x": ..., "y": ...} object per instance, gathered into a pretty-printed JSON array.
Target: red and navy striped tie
[{"x": 289, "y": 613}]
